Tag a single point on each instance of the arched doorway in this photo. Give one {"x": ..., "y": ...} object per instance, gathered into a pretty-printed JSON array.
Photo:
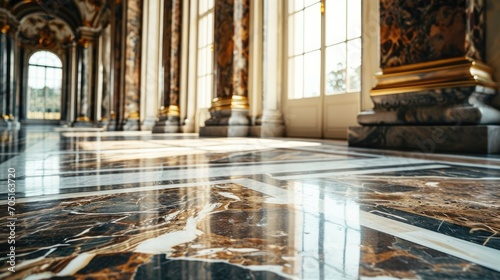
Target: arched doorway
[{"x": 44, "y": 86}]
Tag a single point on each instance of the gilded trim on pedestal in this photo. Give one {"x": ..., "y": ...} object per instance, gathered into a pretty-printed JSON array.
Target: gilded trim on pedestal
[
  {"x": 460, "y": 71},
  {"x": 234, "y": 102},
  {"x": 83, "y": 119}
]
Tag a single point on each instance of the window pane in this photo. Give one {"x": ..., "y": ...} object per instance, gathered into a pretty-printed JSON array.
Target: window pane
[
  {"x": 312, "y": 20},
  {"x": 201, "y": 92},
  {"x": 45, "y": 58},
  {"x": 335, "y": 69},
  {"x": 201, "y": 62},
  {"x": 296, "y": 75},
  {"x": 308, "y": 3},
  {"x": 202, "y": 31},
  {"x": 354, "y": 65},
  {"x": 202, "y": 6},
  {"x": 36, "y": 77},
  {"x": 312, "y": 74},
  {"x": 295, "y": 5},
  {"x": 335, "y": 15},
  {"x": 354, "y": 19},
  {"x": 210, "y": 29},
  {"x": 295, "y": 34}
]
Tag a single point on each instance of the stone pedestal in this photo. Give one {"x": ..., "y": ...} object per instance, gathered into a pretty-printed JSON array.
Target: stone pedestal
[
  {"x": 169, "y": 125},
  {"x": 431, "y": 84},
  {"x": 428, "y": 139},
  {"x": 227, "y": 123}
]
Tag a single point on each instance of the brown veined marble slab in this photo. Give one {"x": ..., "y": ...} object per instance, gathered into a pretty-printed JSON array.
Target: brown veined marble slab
[
  {"x": 466, "y": 202},
  {"x": 414, "y": 31},
  {"x": 389, "y": 256}
]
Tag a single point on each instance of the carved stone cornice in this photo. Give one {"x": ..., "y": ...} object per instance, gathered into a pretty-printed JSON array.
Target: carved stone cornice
[
  {"x": 8, "y": 23},
  {"x": 87, "y": 35}
]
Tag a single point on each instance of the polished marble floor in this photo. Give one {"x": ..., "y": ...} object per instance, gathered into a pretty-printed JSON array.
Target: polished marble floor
[{"x": 136, "y": 205}]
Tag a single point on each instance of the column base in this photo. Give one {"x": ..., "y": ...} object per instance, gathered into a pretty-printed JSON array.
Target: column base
[
  {"x": 227, "y": 123},
  {"x": 82, "y": 124},
  {"x": 9, "y": 125},
  {"x": 131, "y": 125},
  {"x": 148, "y": 124},
  {"x": 111, "y": 125},
  {"x": 170, "y": 125},
  {"x": 225, "y": 131},
  {"x": 267, "y": 130},
  {"x": 428, "y": 139}
]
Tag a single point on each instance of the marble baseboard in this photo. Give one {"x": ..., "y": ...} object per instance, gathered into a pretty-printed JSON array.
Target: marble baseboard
[
  {"x": 162, "y": 127},
  {"x": 10, "y": 124},
  {"x": 225, "y": 131},
  {"x": 255, "y": 131},
  {"x": 428, "y": 139}
]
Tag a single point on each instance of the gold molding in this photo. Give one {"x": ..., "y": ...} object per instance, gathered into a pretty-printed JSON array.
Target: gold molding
[
  {"x": 173, "y": 110},
  {"x": 133, "y": 116},
  {"x": 233, "y": 102},
  {"x": 5, "y": 28},
  {"x": 455, "y": 72},
  {"x": 83, "y": 119}
]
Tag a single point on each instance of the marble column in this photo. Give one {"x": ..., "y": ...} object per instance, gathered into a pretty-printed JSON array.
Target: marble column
[
  {"x": 435, "y": 91},
  {"x": 151, "y": 64},
  {"x": 8, "y": 51},
  {"x": 132, "y": 74},
  {"x": 169, "y": 113},
  {"x": 105, "y": 57},
  {"x": 4, "y": 55},
  {"x": 117, "y": 64},
  {"x": 86, "y": 76},
  {"x": 229, "y": 111},
  {"x": 126, "y": 29}
]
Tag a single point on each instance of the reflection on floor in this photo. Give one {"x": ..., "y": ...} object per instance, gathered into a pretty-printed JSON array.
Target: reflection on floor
[{"x": 132, "y": 205}]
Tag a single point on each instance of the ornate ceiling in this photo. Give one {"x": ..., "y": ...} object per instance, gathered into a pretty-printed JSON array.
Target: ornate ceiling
[
  {"x": 55, "y": 22},
  {"x": 45, "y": 31}
]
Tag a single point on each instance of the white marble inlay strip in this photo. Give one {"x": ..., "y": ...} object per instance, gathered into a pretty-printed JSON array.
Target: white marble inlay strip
[
  {"x": 357, "y": 172},
  {"x": 39, "y": 184},
  {"x": 115, "y": 191},
  {"x": 51, "y": 172}
]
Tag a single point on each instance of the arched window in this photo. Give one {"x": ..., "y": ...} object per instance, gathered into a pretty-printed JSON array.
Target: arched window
[{"x": 44, "y": 86}]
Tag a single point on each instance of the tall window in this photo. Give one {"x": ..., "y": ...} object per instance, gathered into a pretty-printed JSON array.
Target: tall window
[
  {"x": 329, "y": 31},
  {"x": 44, "y": 86},
  {"x": 205, "y": 53}
]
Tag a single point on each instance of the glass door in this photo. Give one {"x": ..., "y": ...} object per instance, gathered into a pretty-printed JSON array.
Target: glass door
[{"x": 323, "y": 67}]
